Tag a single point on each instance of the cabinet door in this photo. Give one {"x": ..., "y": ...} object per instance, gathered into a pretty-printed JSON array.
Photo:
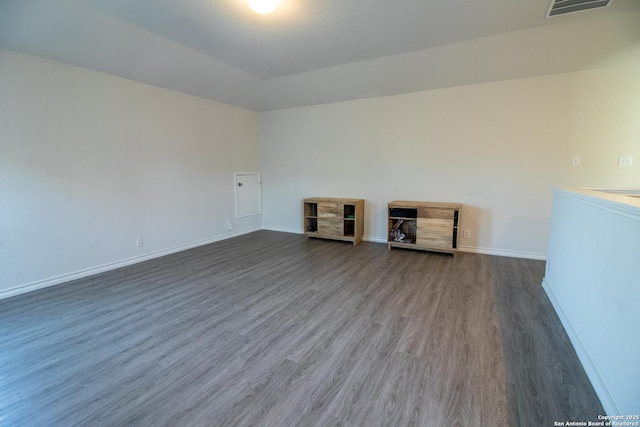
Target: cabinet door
[
  {"x": 248, "y": 194},
  {"x": 435, "y": 233},
  {"x": 436, "y": 213},
  {"x": 330, "y": 219}
]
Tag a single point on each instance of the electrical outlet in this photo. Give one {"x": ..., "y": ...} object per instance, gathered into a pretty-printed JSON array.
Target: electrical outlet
[
  {"x": 139, "y": 242},
  {"x": 466, "y": 234},
  {"x": 576, "y": 161},
  {"x": 229, "y": 225},
  {"x": 625, "y": 161}
]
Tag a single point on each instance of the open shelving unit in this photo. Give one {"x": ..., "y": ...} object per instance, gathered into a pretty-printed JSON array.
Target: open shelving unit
[
  {"x": 424, "y": 225},
  {"x": 334, "y": 218}
]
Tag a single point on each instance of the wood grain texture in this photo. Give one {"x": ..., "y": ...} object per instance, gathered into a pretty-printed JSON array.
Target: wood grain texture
[
  {"x": 330, "y": 227},
  {"x": 435, "y": 233},
  {"x": 339, "y": 219},
  {"x": 330, "y": 210},
  {"x": 426, "y": 225},
  {"x": 436, "y": 213},
  {"x": 271, "y": 329}
]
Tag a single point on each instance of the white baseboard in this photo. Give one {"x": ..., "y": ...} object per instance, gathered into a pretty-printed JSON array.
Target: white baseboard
[
  {"x": 462, "y": 248},
  {"x": 590, "y": 369},
  {"x": 283, "y": 230},
  {"x": 502, "y": 252},
  {"x": 28, "y": 287},
  {"x": 477, "y": 250},
  {"x": 294, "y": 231},
  {"x": 57, "y": 280},
  {"x": 374, "y": 239}
]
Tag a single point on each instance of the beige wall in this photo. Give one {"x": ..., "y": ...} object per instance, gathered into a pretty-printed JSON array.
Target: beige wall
[
  {"x": 89, "y": 162},
  {"x": 498, "y": 148}
]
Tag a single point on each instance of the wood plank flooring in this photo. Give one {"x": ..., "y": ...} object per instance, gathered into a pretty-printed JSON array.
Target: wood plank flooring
[{"x": 271, "y": 329}]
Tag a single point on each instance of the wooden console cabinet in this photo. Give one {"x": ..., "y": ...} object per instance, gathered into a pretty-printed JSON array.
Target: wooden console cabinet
[
  {"x": 424, "y": 225},
  {"x": 330, "y": 218}
]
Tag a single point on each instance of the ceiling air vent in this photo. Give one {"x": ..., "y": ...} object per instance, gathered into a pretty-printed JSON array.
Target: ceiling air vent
[{"x": 560, "y": 7}]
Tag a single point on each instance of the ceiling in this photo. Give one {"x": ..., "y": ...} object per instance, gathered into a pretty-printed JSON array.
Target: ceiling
[
  {"x": 304, "y": 35},
  {"x": 135, "y": 38}
]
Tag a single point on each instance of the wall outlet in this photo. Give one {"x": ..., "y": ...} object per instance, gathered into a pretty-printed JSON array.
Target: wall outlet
[
  {"x": 229, "y": 225},
  {"x": 625, "y": 161},
  {"x": 466, "y": 234},
  {"x": 139, "y": 242},
  {"x": 576, "y": 161}
]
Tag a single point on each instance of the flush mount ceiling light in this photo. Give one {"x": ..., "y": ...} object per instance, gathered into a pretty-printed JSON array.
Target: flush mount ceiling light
[{"x": 262, "y": 6}]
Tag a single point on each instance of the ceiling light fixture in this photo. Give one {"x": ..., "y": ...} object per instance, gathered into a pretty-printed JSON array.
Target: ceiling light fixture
[{"x": 262, "y": 6}]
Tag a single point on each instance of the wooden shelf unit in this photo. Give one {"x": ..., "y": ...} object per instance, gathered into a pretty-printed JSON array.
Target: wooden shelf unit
[
  {"x": 333, "y": 218},
  {"x": 425, "y": 225}
]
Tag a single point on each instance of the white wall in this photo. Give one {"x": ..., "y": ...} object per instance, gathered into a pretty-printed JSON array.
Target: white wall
[
  {"x": 592, "y": 278},
  {"x": 496, "y": 147},
  {"x": 89, "y": 162}
]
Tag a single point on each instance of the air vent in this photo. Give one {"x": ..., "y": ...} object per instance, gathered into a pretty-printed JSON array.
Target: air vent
[{"x": 560, "y": 7}]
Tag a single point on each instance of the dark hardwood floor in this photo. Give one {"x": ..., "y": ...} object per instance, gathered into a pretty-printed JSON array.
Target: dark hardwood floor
[{"x": 270, "y": 329}]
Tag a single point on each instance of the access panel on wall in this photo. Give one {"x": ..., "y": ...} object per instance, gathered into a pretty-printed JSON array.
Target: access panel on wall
[{"x": 248, "y": 193}]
